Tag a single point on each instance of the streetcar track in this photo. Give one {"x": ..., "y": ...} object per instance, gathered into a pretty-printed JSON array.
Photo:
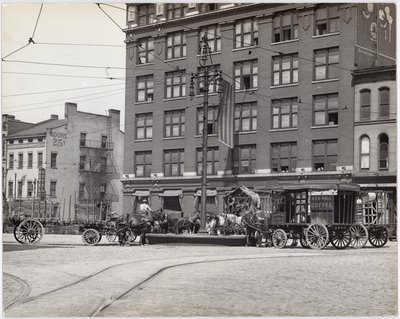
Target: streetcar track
[{"x": 26, "y": 290}]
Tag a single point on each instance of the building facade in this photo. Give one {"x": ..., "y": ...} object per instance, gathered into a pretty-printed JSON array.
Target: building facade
[
  {"x": 291, "y": 67},
  {"x": 73, "y": 164}
]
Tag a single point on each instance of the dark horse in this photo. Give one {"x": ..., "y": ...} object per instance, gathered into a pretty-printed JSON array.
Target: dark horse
[{"x": 130, "y": 226}]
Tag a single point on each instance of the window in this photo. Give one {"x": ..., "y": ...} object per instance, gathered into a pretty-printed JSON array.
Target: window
[
  {"x": 30, "y": 160},
  {"x": 383, "y": 152},
  {"x": 40, "y": 139},
  {"x": 174, "y": 123},
  {"x": 82, "y": 140},
  {"x": 325, "y": 155},
  {"x": 131, "y": 13},
  {"x": 144, "y": 126},
  {"x": 143, "y": 162},
  {"x": 212, "y": 161},
  {"x": 285, "y": 69},
  {"x": 364, "y": 154},
  {"x": 81, "y": 194},
  {"x": 20, "y": 141},
  {"x": 365, "y": 105},
  {"x": 326, "y": 109},
  {"x": 244, "y": 159},
  {"x": 207, "y": 7},
  {"x": 10, "y": 189},
  {"x": 53, "y": 160},
  {"x": 176, "y": 45},
  {"x": 284, "y": 113},
  {"x": 212, "y": 120},
  {"x": 30, "y": 140},
  {"x": 145, "y": 53},
  {"x": 11, "y": 141},
  {"x": 144, "y": 88},
  {"x": 212, "y": 83},
  {"x": 103, "y": 164},
  {"x": 326, "y": 19},
  {"x": 145, "y": 14},
  {"x": 246, "y": 117},
  {"x": 175, "y": 84},
  {"x": 11, "y": 161},
  {"x": 53, "y": 185},
  {"x": 283, "y": 157},
  {"x": 246, "y": 75},
  {"x": 384, "y": 102},
  {"x": 104, "y": 142},
  {"x": 246, "y": 33},
  {"x": 30, "y": 189},
  {"x": 325, "y": 64},
  {"x": 20, "y": 160},
  {"x": 82, "y": 162},
  {"x": 176, "y": 10},
  {"x": 213, "y": 34},
  {"x": 286, "y": 26},
  {"x": 173, "y": 162},
  {"x": 39, "y": 159},
  {"x": 19, "y": 193}
]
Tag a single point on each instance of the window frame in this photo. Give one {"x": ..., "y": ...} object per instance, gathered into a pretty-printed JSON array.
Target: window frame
[
  {"x": 180, "y": 163},
  {"x": 145, "y": 127},
  {"x": 30, "y": 159},
  {"x": 143, "y": 47},
  {"x": 148, "y": 89},
  {"x": 294, "y": 57},
  {"x": 383, "y": 139},
  {"x": 82, "y": 162},
  {"x": 213, "y": 110},
  {"x": 215, "y": 40},
  {"x": 29, "y": 188},
  {"x": 39, "y": 159},
  {"x": 213, "y": 83},
  {"x": 327, "y": 110},
  {"x": 20, "y": 160},
  {"x": 365, "y": 107},
  {"x": 327, "y": 20},
  {"x": 10, "y": 186},
  {"x": 170, "y": 88},
  {"x": 173, "y": 8},
  {"x": 148, "y": 16},
  {"x": 364, "y": 154},
  {"x": 238, "y": 159},
  {"x": 53, "y": 189},
  {"x": 327, "y": 64},
  {"x": 326, "y": 142},
  {"x": 293, "y": 115},
  {"x": 53, "y": 161},
  {"x": 82, "y": 139},
  {"x": 238, "y": 121},
  {"x": 292, "y": 157},
  {"x": 169, "y": 115},
  {"x": 147, "y": 165},
  {"x": 384, "y": 105},
  {"x": 241, "y": 35},
  {"x": 170, "y": 44},
  {"x": 20, "y": 185},
  {"x": 213, "y": 163},
  {"x": 281, "y": 28},
  {"x": 11, "y": 160},
  {"x": 238, "y": 66}
]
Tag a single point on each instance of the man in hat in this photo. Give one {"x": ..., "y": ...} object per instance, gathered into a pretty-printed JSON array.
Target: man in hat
[{"x": 144, "y": 207}]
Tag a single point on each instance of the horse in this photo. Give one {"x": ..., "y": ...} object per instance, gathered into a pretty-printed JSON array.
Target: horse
[
  {"x": 191, "y": 224},
  {"x": 160, "y": 220},
  {"x": 133, "y": 225}
]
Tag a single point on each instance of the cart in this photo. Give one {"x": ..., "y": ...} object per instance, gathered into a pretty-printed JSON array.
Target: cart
[{"x": 28, "y": 230}]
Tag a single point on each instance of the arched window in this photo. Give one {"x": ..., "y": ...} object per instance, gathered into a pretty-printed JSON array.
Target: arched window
[
  {"x": 384, "y": 100},
  {"x": 365, "y": 109},
  {"x": 364, "y": 153},
  {"x": 383, "y": 152}
]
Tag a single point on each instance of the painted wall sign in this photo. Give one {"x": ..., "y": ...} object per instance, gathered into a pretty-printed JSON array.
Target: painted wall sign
[
  {"x": 58, "y": 138},
  {"x": 321, "y": 202}
]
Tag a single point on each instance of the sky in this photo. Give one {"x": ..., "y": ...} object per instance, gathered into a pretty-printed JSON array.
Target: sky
[{"x": 26, "y": 95}]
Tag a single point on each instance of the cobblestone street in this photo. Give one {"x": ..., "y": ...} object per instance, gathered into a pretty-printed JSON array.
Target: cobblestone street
[{"x": 69, "y": 279}]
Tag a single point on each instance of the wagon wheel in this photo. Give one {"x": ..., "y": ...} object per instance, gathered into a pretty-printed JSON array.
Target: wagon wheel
[
  {"x": 317, "y": 236},
  {"x": 91, "y": 237},
  {"x": 111, "y": 235},
  {"x": 279, "y": 238},
  {"x": 303, "y": 242},
  {"x": 340, "y": 237},
  {"x": 359, "y": 236},
  {"x": 378, "y": 236},
  {"x": 29, "y": 231},
  {"x": 130, "y": 235}
]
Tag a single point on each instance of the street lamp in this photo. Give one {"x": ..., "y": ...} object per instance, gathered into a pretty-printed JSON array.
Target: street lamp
[{"x": 204, "y": 80}]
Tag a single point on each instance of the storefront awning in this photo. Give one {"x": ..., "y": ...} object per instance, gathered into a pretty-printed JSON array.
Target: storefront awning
[
  {"x": 141, "y": 193},
  {"x": 210, "y": 193},
  {"x": 171, "y": 193}
]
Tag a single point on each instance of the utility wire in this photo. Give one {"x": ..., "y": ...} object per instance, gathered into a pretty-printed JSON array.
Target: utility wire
[
  {"x": 98, "y": 5},
  {"x": 65, "y": 75},
  {"x": 81, "y": 44},
  {"x": 37, "y": 21}
]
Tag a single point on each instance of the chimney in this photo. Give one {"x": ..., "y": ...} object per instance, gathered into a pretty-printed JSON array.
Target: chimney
[
  {"x": 54, "y": 117},
  {"x": 70, "y": 109},
  {"x": 115, "y": 117}
]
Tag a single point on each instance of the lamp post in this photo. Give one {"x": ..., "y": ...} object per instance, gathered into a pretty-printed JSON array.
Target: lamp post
[{"x": 204, "y": 79}]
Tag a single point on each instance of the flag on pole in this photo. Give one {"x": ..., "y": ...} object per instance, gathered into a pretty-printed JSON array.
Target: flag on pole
[{"x": 226, "y": 114}]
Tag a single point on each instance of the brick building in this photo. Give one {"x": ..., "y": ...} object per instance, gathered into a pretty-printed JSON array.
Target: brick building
[
  {"x": 70, "y": 165},
  {"x": 291, "y": 66}
]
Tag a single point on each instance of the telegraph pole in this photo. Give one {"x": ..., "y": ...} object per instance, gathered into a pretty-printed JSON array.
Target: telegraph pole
[{"x": 204, "y": 81}]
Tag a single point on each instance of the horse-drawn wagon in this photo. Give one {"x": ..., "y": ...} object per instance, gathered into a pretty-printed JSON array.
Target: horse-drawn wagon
[{"x": 316, "y": 215}]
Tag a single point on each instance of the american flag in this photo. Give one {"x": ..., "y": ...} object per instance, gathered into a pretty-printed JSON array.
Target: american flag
[{"x": 226, "y": 114}]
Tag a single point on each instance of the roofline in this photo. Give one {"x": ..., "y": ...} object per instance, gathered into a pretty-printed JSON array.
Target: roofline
[{"x": 376, "y": 69}]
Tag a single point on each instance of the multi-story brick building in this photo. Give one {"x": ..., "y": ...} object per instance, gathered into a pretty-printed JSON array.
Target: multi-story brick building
[
  {"x": 73, "y": 163},
  {"x": 291, "y": 66}
]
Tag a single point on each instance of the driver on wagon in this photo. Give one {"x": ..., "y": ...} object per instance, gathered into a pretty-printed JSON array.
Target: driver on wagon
[{"x": 144, "y": 208}]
